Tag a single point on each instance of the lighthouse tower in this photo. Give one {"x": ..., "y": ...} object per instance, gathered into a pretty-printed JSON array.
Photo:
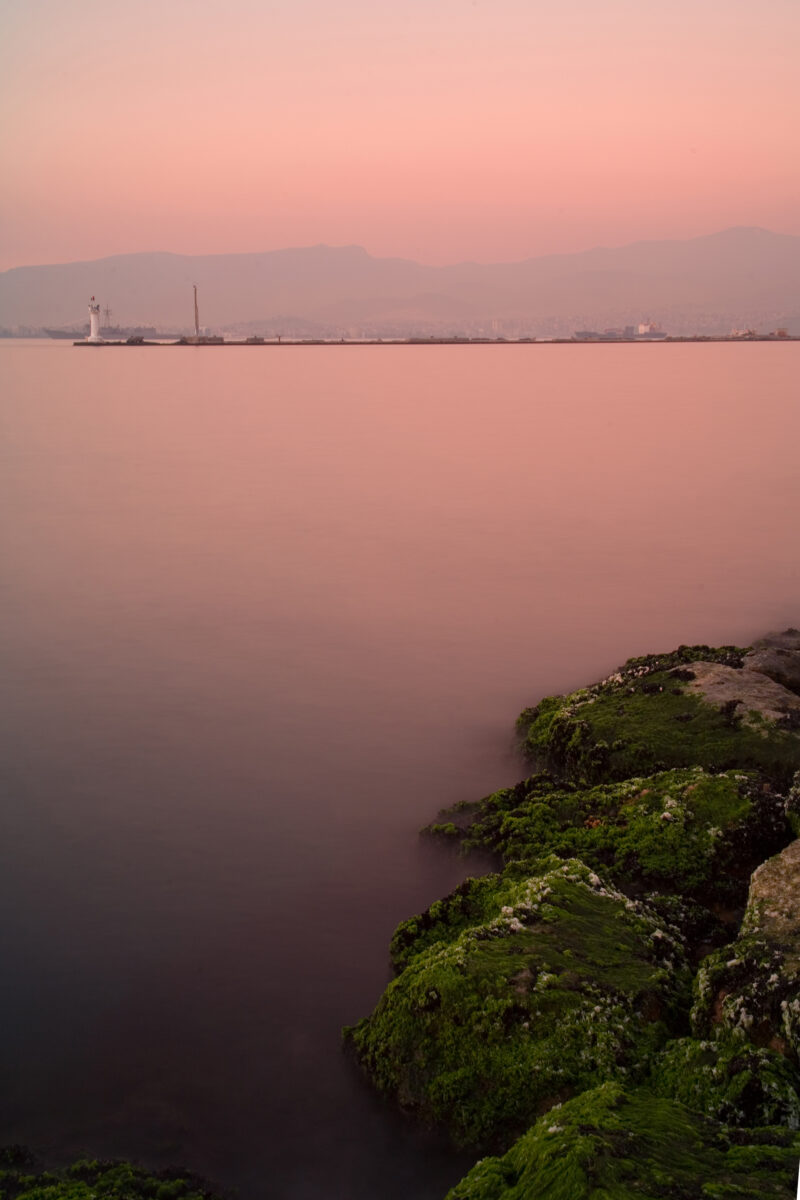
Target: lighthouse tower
[{"x": 94, "y": 321}]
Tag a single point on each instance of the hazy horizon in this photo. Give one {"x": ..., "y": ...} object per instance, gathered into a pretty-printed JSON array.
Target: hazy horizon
[
  {"x": 440, "y": 133},
  {"x": 360, "y": 245},
  {"x": 733, "y": 279}
]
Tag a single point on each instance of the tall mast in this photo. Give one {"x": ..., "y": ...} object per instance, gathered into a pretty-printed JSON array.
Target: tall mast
[{"x": 196, "y": 314}]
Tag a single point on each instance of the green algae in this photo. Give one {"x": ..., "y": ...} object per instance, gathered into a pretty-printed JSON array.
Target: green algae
[
  {"x": 748, "y": 989},
  {"x": 90, "y": 1179},
  {"x": 793, "y": 805},
  {"x": 568, "y": 985},
  {"x": 642, "y": 720},
  {"x": 730, "y": 1080},
  {"x": 609, "y": 1144},
  {"x": 522, "y": 991},
  {"x": 473, "y": 902},
  {"x": 685, "y": 832}
]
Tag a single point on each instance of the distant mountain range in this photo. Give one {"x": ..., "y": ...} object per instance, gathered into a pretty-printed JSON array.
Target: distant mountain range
[{"x": 742, "y": 277}]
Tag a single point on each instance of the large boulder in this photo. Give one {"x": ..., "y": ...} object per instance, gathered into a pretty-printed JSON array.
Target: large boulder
[
  {"x": 696, "y": 706},
  {"x": 564, "y": 984},
  {"x": 685, "y": 832},
  {"x": 635, "y": 1146},
  {"x": 778, "y": 656},
  {"x": 752, "y": 987}
]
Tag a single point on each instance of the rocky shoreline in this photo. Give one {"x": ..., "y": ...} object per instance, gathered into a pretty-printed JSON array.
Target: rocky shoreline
[{"x": 616, "y": 1011}]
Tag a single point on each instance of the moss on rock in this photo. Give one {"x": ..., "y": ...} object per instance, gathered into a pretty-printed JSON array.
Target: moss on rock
[
  {"x": 731, "y": 1081},
  {"x": 609, "y": 1144},
  {"x": 685, "y": 831},
  {"x": 91, "y": 1179},
  {"x": 473, "y": 902},
  {"x": 653, "y": 714},
  {"x": 544, "y": 989},
  {"x": 568, "y": 984},
  {"x": 752, "y": 986}
]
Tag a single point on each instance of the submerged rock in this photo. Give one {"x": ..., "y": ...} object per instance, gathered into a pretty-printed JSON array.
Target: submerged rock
[
  {"x": 568, "y": 984},
  {"x": 633, "y": 1145},
  {"x": 694, "y": 707}
]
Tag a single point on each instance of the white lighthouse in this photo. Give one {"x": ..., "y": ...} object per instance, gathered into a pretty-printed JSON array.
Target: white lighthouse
[{"x": 94, "y": 321}]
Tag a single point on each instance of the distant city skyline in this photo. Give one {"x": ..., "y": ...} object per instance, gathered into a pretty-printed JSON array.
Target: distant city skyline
[
  {"x": 734, "y": 279},
  {"x": 442, "y": 131}
]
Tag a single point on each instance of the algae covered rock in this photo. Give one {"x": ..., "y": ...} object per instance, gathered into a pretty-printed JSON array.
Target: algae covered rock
[
  {"x": 696, "y": 706},
  {"x": 546, "y": 987},
  {"x": 567, "y": 985},
  {"x": 730, "y": 1080},
  {"x": 752, "y": 987},
  {"x": 685, "y": 831},
  {"x": 609, "y": 1143},
  {"x": 473, "y": 902},
  {"x": 90, "y": 1179}
]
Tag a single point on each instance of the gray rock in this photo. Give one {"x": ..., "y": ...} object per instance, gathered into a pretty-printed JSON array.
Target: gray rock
[
  {"x": 773, "y": 903},
  {"x": 752, "y": 987},
  {"x": 778, "y": 656},
  {"x": 754, "y": 691}
]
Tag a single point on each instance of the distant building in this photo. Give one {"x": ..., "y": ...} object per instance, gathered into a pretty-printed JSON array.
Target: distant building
[{"x": 649, "y": 329}]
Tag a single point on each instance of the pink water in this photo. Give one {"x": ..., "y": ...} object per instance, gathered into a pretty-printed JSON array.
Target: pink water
[{"x": 264, "y": 613}]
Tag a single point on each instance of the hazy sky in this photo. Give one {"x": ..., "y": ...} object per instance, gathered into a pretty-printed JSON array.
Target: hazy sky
[{"x": 433, "y": 129}]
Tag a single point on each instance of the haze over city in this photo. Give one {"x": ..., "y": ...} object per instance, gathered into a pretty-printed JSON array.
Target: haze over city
[{"x": 437, "y": 131}]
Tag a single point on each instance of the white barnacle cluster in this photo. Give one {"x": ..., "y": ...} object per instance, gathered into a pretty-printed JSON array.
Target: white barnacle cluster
[
  {"x": 601, "y": 1028},
  {"x": 790, "y": 1021},
  {"x": 595, "y": 884},
  {"x": 738, "y": 1015},
  {"x": 527, "y": 905},
  {"x": 675, "y": 810},
  {"x": 703, "y": 983}
]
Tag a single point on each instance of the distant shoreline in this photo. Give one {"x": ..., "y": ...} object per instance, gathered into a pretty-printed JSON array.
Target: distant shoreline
[{"x": 454, "y": 341}]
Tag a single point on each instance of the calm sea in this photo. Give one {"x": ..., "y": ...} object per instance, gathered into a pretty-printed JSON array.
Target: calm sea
[{"x": 264, "y": 612}]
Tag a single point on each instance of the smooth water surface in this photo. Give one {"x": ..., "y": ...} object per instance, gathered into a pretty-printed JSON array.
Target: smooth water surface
[{"x": 264, "y": 612}]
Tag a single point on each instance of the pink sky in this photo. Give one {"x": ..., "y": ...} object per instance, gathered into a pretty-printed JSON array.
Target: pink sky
[{"x": 433, "y": 129}]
